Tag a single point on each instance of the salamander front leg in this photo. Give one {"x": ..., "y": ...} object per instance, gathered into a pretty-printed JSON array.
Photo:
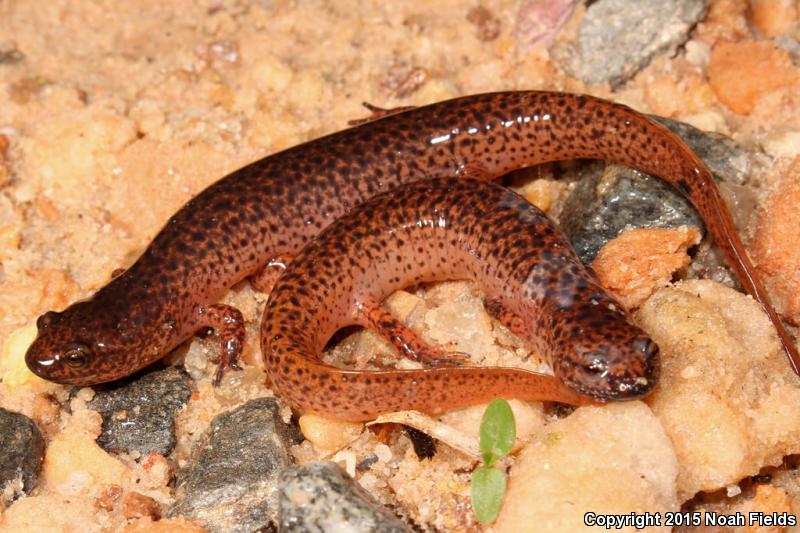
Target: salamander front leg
[
  {"x": 228, "y": 322},
  {"x": 407, "y": 341}
]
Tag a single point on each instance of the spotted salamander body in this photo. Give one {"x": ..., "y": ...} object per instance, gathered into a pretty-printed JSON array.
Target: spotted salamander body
[{"x": 441, "y": 229}]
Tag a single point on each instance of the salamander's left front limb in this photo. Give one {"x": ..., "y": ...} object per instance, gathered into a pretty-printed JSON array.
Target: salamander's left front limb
[{"x": 228, "y": 322}]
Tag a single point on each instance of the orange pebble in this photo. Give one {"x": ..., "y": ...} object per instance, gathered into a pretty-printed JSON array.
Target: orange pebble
[
  {"x": 773, "y": 17},
  {"x": 774, "y": 245},
  {"x": 740, "y": 73},
  {"x": 641, "y": 260},
  {"x": 167, "y": 525}
]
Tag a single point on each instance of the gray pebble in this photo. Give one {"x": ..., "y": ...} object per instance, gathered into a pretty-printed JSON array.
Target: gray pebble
[
  {"x": 231, "y": 484},
  {"x": 709, "y": 263},
  {"x": 606, "y": 203},
  {"x": 790, "y": 44},
  {"x": 21, "y": 455},
  {"x": 725, "y": 158},
  {"x": 320, "y": 497},
  {"x": 618, "y": 38},
  {"x": 138, "y": 416}
]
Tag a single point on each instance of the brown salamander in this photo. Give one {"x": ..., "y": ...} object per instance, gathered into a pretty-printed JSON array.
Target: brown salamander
[
  {"x": 448, "y": 228},
  {"x": 266, "y": 211}
]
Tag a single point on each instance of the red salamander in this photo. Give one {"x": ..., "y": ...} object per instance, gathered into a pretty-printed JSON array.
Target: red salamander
[
  {"x": 442, "y": 229},
  {"x": 264, "y": 213}
]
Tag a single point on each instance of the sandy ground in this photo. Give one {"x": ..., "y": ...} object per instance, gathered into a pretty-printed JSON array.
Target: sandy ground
[{"x": 114, "y": 114}]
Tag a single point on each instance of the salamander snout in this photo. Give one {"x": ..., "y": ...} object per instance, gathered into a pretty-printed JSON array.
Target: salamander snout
[
  {"x": 612, "y": 371},
  {"x": 74, "y": 355},
  {"x": 63, "y": 351}
]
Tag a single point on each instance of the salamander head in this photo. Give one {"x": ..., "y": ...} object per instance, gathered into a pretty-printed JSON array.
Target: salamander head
[
  {"x": 80, "y": 346},
  {"x": 611, "y": 359}
]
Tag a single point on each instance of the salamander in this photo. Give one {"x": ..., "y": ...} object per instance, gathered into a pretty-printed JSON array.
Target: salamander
[
  {"x": 261, "y": 215},
  {"x": 440, "y": 229}
]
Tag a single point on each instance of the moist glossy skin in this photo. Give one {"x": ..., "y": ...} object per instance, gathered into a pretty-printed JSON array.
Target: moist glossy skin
[
  {"x": 272, "y": 207},
  {"x": 450, "y": 229}
]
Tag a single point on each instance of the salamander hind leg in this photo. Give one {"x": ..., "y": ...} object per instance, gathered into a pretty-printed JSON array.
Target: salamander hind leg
[
  {"x": 264, "y": 279},
  {"x": 228, "y": 322},
  {"x": 473, "y": 170},
  {"x": 514, "y": 323},
  {"x": 407, "y": 341}
]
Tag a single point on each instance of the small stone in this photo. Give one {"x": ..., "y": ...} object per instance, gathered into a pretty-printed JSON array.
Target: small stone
[
  {"x": 219, "y": 53},
  {"x": 604, "y": 204},
  {"x": 231, "y": 484},
  {"x": 640, "y": 261},
  {"x": 108, "y": 498},
  {"x": 619, "y": 37},
  {"x": 725, "y": 158},
  {"x": 21, "y": 455},
  {"x": 774, "y": 17},
  {"x": 320, "y": 497},
  {"x": 10, "y": 56},
  {"x": 402, "y": 80},
  {"x": 774, "y": 245},
  {"x": 24, "y": 90},
  {"x": 135, "y": 505},
  {"x": 539, "y": 21},
  {"x": 792, "y": 46},
  {"x": 743, "y": 73},
  {"x": 485, "y": 22},
  {"x": 709, "y": 263},
  {"x": 138, "y": 416},
  {"x": 5, "y": 170},
  {"x": 328, "y": 435}
]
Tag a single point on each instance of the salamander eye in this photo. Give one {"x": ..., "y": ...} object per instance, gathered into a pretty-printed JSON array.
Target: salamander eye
[
  {"x": 595, "y": 363},
  {"x": 77, "y": 356},
  {"x": 645, "y": 346},
  {"x": 46, "y": 320}
]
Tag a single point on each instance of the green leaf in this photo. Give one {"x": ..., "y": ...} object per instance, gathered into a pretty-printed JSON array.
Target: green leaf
[
  {"x": 498, "y": 431},
  {"x": 488, "y": 491}
]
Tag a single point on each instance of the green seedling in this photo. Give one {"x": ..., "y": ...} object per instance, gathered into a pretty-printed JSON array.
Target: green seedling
[{"x": 498, "y": 432}]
